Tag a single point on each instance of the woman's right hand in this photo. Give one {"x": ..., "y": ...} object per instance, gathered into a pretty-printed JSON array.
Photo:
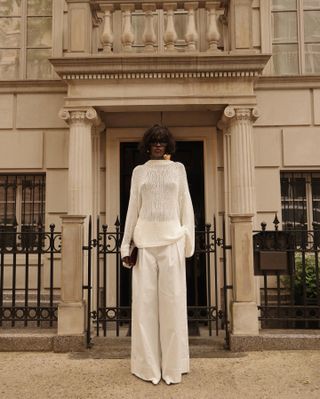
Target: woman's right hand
[{"x": 127, "y": 261}]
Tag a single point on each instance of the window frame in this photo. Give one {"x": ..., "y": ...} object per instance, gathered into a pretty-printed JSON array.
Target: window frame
[
  {"x": 20, "y": 202},
  {"x": 311, "y": 224},
  {"x": 23, "y": 46},
  {"x": 301, "y": 43}
]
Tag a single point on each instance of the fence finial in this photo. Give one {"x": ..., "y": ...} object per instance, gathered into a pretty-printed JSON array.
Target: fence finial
[{"x": 276, "y": 221}]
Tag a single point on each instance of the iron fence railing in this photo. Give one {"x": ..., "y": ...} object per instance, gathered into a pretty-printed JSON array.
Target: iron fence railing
[
  {"x": 108, "y": 309},
  {"x": 288, "y": 263},
  {"x": 27, "y": 265}
]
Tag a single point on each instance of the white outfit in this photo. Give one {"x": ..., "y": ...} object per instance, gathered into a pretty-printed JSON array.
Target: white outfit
[
  {"x": 160, "y": 210},
  {"x": 160, "y": 221}
]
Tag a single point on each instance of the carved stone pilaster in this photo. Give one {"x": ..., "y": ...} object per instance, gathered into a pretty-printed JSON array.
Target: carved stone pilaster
[
  {"x": 236, "y": 123},
  {"x": 80, "y": 159},
  {"x": 242, "y": 159}
]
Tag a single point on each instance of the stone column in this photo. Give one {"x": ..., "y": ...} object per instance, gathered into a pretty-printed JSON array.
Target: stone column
[
  {"x": 71, "y": 310},
  {"x": 242, "y": 209},
  {"x": 80, "y": 159}
]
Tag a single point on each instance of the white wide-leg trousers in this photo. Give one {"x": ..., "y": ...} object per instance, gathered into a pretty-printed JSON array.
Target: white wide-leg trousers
[{"x": 159, "y": 345}]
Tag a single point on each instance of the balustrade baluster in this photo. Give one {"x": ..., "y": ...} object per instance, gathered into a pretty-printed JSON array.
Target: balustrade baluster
[
  {"x": 191, "y": 33},
  {"x": 149, "y": 37},
  {"x": 127, "y": 36},
  {"x": 213, "y": 34},
  {"x": 170, "y": 34},
  {"x": 107, "y": 35}
]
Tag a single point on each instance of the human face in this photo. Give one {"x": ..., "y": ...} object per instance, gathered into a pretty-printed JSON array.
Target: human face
[{"x": 157, "y": 148}]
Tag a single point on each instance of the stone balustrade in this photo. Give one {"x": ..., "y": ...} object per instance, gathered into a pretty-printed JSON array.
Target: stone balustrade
[{"x": 158, "y": 22}]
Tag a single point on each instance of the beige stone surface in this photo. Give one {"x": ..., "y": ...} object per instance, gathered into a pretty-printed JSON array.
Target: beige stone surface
[
  {"x": 316, "y": 106},
  {"x": 301, "y": 146},
  {"x": 39, "y": 110},
  {"x": 56, "y": 148},
  {"x": 6, "y": 111},
  {"x": 284, "y": 107},
  {"x": 268, "y": 196},
  {"x": 57, "y": 183},
  {"x": 28, "y": 145},
  {"x": 267, "y": 146},
  {"x": 263, "y": 375}
]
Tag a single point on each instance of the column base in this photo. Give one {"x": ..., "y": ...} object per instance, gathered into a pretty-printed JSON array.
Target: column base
[
  {"x": 244, "y": 318},
  {"x": 71, "y": 318}
]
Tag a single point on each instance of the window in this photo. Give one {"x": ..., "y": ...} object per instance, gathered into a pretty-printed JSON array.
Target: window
[
  {"x": 22, "y": 202},
  {"x": 296, "y": 36},
  {"x": 300, "y": 200},
  {"x": 25, "y": 39}
]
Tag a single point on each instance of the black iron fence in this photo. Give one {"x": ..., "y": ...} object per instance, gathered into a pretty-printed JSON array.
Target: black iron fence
[
  {"x": 108, "y": 284},
  {"x": 27, "y": 265},
  {"x": 287, "y": 262}
]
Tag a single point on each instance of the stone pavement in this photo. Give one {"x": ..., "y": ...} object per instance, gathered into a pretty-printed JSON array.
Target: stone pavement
[{"x": 259, "y": 375}]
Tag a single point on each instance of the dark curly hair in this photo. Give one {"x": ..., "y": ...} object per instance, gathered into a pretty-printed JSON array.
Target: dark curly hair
[{"x": 160, "y": 133}]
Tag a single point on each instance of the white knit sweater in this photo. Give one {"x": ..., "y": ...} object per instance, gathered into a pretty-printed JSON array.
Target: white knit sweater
[{"x": 160, "y": 210}]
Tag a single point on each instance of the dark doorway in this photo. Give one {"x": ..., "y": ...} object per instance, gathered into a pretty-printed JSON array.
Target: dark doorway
[{"x": 190, "y": 153}]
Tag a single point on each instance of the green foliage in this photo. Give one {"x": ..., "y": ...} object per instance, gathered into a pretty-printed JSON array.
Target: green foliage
[{"x": 307, "y": 274}]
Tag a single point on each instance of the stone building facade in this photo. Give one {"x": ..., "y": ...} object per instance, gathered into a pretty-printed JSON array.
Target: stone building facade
[{"x": 80, "y": 79}]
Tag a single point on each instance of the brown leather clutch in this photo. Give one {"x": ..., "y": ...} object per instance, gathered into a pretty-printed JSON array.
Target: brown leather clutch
[{"x": 134, "y": 256}]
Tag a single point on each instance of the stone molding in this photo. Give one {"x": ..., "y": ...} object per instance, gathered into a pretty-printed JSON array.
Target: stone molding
[
  {"x": 237, "y": 113},
  {"x": 73, "y": 117},
  {"x": 159, "y": 66}
]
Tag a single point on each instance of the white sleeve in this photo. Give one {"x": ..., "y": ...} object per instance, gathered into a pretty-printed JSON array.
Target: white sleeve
[
  {"x": 187, "y": 214},
  {"x": 132, "y": 216}
]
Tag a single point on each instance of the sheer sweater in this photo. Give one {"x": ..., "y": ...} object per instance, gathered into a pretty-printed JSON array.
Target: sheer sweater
[{"x": 160, "y": 210}]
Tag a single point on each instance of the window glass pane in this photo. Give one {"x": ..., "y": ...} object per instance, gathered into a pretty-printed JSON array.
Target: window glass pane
[
  {"x": 285, "y": 27},
  {"x": 312, "y": 54},
  {"x": 10, "y": 7},
  {"x": 293, "y": 201},
  {"x": 38, "y": 66},
  {"x": 39, "y": 32},
  {"x": 39, "y": 7},
  {"x": 315, "y": 183},
  {"x": 10, "y": 32},
  {"x": 9, "y": 64},
  {"x": 312, "y": 26},
  {"x": 311, "y": 4},
  {"x": 279, "y": 5},
  {"x": 285, "y": 59}
]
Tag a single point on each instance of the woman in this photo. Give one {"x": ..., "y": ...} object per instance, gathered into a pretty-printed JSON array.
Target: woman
[{"x": 160, "y": 222}]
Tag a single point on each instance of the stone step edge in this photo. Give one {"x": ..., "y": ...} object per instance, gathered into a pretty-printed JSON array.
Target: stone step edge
[{"x": 274, "y": 341}]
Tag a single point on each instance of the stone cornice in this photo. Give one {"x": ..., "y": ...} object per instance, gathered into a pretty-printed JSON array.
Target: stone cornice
[
  {"x": 288, "y": 82},
  {"x": 150, "y": 66},
  {"x": 32, "y": 86},
  {"x": 139, "y": 3}
]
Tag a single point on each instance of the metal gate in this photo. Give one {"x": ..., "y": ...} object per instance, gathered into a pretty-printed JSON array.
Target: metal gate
[{"x": 107, "y": 312}]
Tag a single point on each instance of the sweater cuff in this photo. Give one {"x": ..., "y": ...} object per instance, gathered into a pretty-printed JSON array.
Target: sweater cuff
[{"x": 125, "y": 251}]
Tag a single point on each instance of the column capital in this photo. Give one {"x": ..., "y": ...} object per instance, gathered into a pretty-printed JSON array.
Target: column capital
[
  {"x": 238, "y": 113},
  {"x": 80, "y": 116}
]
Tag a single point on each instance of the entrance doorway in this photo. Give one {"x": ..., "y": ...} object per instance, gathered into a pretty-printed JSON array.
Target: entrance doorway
[{"x": 190, "y": 153}]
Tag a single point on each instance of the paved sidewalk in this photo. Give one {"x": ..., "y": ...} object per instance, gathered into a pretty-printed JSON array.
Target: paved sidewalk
[{"x": 259, "y": 375}]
